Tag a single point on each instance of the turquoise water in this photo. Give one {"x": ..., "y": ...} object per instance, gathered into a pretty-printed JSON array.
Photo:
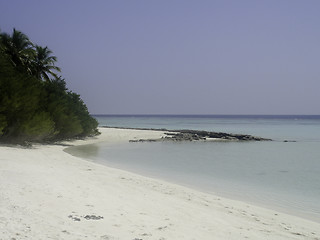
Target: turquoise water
[{"x": 281, "y": 175}]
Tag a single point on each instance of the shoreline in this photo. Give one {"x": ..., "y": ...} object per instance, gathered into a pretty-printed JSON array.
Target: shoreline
[
  {"x": 47, "y": 193},
  {"x": 253, "y": 198}
]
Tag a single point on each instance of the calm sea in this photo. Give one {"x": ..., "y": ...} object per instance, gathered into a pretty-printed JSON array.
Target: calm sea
[{"x": 281, "y": 175}]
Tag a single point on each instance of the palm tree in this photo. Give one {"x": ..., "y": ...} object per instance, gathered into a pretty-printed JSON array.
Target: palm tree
[
  {"x": 18, "y": 47},
  {"x": 43, "y": 64}
]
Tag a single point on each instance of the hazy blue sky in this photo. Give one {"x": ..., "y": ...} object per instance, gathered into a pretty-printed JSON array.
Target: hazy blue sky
[{"x": 180, "y": 57}]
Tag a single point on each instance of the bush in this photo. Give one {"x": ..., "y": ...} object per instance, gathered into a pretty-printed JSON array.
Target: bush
[{"x": 38, "y": 128}]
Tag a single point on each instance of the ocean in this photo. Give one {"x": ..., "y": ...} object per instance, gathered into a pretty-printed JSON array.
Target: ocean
[{"x": 283, "y": 174}]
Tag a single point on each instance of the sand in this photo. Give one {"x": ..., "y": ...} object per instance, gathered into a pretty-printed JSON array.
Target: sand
[{"x": 45, "y": 193}]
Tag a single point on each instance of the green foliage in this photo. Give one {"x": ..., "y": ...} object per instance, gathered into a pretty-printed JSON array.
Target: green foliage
[
  {"x": 43, "y": 63},
  {"x": 32, "y": 109},
  {"x": 18, "y": 47},
  {"x": 40, "y": 126},
  {"x": 3, "y": 123},
  {"x": 88, "y": 123}
]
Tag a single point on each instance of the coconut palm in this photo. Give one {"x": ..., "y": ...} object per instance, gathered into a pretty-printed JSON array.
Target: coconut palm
[
  {"x": 18, "y": 47},
  {"x": 43, "y": 64}
]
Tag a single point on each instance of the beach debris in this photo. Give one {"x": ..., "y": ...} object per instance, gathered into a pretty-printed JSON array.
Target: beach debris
[
  {"x": 93, "y": 217},
  {"x": 87, "y": 217},
  {"x": 74, "y": 218}
]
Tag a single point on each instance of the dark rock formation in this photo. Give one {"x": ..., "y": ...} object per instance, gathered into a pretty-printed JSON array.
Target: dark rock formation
[
  {"x": 198, "y": 135},
  {"x": 203, "y": 135}
]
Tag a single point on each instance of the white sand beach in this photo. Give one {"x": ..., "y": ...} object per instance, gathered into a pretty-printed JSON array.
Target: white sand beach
[{"x": 45, "y": 193}]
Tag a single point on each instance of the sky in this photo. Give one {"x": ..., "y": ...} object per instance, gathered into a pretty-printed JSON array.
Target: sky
[{"x": 180, "y": 57}]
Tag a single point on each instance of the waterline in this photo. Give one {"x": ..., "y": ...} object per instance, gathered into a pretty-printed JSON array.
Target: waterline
[
  {"x": 280, "y": 175},
  {"x": 270, "y": 175}
]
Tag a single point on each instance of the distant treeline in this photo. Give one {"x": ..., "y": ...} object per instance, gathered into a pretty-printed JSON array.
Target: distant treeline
[{"x": 35, "y": 104}]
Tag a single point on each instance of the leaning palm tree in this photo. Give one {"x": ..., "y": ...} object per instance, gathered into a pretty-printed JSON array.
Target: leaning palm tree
[
  {"x": 18, "y": 47},
  {"x": 43, "y": 64}
]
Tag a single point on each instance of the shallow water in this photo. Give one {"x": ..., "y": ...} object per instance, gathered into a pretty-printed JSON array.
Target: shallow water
[{"x": 281, "y": 175}]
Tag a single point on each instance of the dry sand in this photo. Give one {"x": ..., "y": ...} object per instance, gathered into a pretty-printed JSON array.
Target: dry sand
[{"x": 46, "y": 193}]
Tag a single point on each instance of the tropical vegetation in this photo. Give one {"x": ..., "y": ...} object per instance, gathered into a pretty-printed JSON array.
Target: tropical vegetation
[{"x": 35, "y": 104}]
